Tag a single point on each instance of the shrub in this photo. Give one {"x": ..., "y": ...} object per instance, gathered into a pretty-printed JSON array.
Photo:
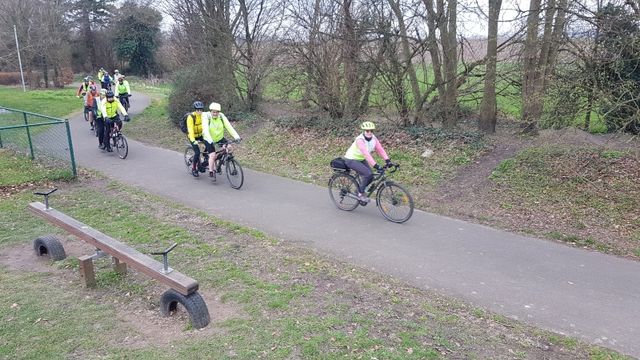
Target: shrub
[
  {"x": 201, "y": 82},
  {"x": 10, "y": 78}
]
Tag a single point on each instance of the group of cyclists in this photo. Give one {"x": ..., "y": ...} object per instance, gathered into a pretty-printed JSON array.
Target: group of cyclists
[
  {"x": 208, "y": 128},
  {"x": 101, "y": 108}
]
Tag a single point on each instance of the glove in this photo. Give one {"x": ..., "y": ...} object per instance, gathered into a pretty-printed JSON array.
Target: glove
[
  {"x": 388, "y": 162},
  {"x": 126, "y": 118},
  {"x": 194, "y": 142},
  {"x": 239, "y": 139},
  {"x": 377, "y": 167}
]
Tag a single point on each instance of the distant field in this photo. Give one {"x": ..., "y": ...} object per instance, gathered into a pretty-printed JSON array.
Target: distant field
[{"x": 50, "y": 102}]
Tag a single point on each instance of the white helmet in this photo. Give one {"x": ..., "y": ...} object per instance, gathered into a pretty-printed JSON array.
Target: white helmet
[
  {"x": 214, "y": 106},
  {"x": 116, "y": 71}
]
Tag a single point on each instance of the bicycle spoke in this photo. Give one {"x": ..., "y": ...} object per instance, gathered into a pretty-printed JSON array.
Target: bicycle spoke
[
  {"x": 395, "y": 203},
  {"x": 342, "y": 190}
]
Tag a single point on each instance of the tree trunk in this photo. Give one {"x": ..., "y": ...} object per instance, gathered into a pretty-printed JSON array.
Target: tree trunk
[
  {"x": 488, "y": 108},
  {"x": 450, "y": 52},
  {"x": 531, "y": 101}
]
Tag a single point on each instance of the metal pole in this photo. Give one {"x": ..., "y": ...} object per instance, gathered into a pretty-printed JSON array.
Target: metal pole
[
  {"x": 15, "y": 32},
  {"x": 28, "y": 135},
  {"x": 73, "y": 158}
]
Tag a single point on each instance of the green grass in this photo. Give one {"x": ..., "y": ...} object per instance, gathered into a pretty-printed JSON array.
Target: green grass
[
  {"x": 53, "y": 102},
  {"x": 165, "y": 133},
  {"x": 18, "y": 169},
  {"x": 580, "y": 187},
  {"x": 288, "y": 302}
]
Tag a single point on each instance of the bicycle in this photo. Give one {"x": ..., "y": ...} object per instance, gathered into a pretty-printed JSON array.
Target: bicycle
[
  {"x": 118, "y": 141},
  {"x": 233, "y": 170},
  {"x": 124, "y": 100},
  {"x": 394, "y": 201}
]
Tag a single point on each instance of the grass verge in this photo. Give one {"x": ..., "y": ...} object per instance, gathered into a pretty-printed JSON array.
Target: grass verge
[
  {"x": 51, "y": 102},
  {"x": 269, "y": 299}
]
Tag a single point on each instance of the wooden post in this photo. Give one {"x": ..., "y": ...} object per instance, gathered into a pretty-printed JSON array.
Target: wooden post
[
  {"x": 119, "y": 267},
  {"x": 86, "y": 270}
]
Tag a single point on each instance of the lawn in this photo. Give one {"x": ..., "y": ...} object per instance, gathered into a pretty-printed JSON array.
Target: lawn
[{"x": 52, "y": 102}]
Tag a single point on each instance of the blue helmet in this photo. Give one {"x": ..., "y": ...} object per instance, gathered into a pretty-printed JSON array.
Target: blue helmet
[{"x": 198, "y": 105}]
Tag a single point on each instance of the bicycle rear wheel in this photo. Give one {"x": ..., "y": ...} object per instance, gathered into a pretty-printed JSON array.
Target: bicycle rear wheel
[
  {"x": 395, "y": 203},
  {"x": 343, "y": 190},
  {"x": 122, "y": 148},
  {"x": 234, "y": 173}
]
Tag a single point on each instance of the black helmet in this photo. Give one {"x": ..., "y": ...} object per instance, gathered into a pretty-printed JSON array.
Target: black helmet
[
  {"x": 109, "y": 93},
  {"x": 198, "y": 105}
]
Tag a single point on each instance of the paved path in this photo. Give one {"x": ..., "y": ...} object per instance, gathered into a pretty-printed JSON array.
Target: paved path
[{"x": 583, "y": 294}]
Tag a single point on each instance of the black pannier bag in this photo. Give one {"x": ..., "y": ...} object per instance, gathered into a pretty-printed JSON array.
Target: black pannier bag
[{"x": 338, "y": 163}]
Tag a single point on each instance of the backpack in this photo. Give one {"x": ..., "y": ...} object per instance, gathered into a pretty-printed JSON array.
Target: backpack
[{"x": 183, "y": 123}]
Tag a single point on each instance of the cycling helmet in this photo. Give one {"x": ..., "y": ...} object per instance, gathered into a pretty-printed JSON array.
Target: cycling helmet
[
  {"x": 116, "y": 71},
  {"x": 103, "y": 92},
  {"x": 198, "y": 105},
  {"x": 368, "y": 125},
  {"x": 214, "y": 106},
  {"x": 110, "y": 94},
  {"x": 86, "y": 79}
]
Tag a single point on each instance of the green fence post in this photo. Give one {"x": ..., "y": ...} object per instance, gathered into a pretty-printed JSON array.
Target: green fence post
[
  {"x": 26, "y": 122},
  {"x": 73, "y": 159},
  {"x": 0, "y": 139}
]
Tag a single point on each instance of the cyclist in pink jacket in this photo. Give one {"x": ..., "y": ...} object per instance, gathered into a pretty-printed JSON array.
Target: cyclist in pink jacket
[{"x": 358, "y": 157}]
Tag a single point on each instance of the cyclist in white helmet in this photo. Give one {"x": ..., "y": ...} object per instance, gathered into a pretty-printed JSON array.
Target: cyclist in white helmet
[{"x": 358, "y": 157}]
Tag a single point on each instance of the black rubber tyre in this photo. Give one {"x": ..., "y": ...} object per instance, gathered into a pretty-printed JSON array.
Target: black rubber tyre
[
  {"x": 234, "y": 173},
  {"x": 194, "y": 304},
  {"x": 343, "y": 190},
  {"x": 50, "y": 246},
  {"x": 121, "y": 146},
  {"x": 395, "y": 203}
]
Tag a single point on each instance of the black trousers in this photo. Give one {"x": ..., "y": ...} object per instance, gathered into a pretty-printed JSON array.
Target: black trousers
[
  {"x": 108, "y": 125},
  {"x": 362, "y": 168},
  {"x": 100, "y": 130}
]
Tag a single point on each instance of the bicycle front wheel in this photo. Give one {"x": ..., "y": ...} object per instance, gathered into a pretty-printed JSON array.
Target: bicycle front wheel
[
  {"x": 395, "y": 203},
  {"x": 122, "y": 148},
  {"x": 234, "y": 173},
  {"x": 188, "y": 158},
  {"x": 343, "y": 190}
]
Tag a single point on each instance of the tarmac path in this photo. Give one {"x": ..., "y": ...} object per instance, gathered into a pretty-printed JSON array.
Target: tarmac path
[{"x": 580, "y": 293}]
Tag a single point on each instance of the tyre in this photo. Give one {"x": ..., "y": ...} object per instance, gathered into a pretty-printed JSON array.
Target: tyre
[
  {"x": 395, "y": 203},
  {"x": 234, "y": 173},
  {"x": 194, "y": 304},
  {"x": 50, "y": 246},
  {"x": 188, "y": 158},
  {"x": 122, "y": 148},
  {"x": 343, "y": 189}
]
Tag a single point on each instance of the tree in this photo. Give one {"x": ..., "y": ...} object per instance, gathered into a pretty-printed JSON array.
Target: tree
[
  {"x": 89, "y": 16},
  {"x": 488, "y": 108},
  {"x": 136, "y": 38},
  {"x": 540, "y": 57}
]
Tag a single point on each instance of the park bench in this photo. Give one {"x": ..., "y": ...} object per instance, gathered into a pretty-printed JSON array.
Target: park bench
[{"x": 183, "y": 289}]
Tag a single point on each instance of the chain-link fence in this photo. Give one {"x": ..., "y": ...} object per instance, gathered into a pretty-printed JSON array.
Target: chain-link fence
[{"x": 40, "y": 137}]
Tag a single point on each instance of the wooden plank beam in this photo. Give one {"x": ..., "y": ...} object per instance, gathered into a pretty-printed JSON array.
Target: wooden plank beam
[{"x": 122, "y": 252}]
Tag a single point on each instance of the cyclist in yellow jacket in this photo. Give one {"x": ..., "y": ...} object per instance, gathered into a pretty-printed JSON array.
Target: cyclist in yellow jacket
[
  {"x": 194, "y": 132},
  {"x": 110, "y": 110},
  {"x": 213, "y": 125}
]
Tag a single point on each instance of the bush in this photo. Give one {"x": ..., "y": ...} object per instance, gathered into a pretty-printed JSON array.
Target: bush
[
  {"x": 318, "y": 122},
  {"x": 10, "y": 78},
  {"x": 201, "y": 82}
]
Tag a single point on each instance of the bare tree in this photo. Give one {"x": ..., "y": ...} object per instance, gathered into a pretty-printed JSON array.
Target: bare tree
[
  {"x": 488, "y": 108},
  {"x": 540, "y": 56}
]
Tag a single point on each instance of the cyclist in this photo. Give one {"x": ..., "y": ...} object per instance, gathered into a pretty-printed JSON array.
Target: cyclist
[
  {"x": 123, "y": 91},
  {"x": 100, "y": 119},
  {"x": 91, "y": 105},
  {"x": 358, "y": 157},
  {"x": 110, "y": 109},
  {"x": 213, "y": 125},
  {"x": 194, "y": 132},
  {"x": 84, "y": 87},
  {"x": 106, "y": 81},
  {"x": 100, "y": 77},
  {"x": 116, "y": 75}
]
